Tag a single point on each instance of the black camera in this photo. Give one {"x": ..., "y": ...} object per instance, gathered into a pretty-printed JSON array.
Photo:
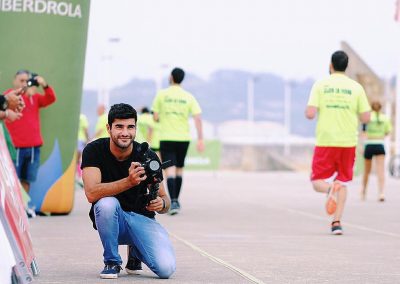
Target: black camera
[
  {"x": 153, "y": 171},
  {"x": 32, "y": 80}
]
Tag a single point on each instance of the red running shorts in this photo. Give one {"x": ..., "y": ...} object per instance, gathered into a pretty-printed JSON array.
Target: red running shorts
[{"x": 330, "y": 160}]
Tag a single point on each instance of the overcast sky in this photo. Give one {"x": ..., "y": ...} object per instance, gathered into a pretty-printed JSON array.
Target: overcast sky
[{"x": 291, "y": 38}]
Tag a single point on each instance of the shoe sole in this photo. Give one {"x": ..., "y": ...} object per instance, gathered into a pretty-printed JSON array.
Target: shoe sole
[
  {"x": 108, "y": 276},
  {"x": 133, "y": 272},
  {"x": 331, "y": 203},
  {"x": 173, "y": 212},
  {"x": 337, "y": 232}
]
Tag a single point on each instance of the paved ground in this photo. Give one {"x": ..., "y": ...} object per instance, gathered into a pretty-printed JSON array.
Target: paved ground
[{"x": 243, "y": 228}]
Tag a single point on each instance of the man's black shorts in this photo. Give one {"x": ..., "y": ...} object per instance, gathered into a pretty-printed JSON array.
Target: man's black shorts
[
  {"x": 174, "y": 151},
  {"x": 373, "y": 150}
]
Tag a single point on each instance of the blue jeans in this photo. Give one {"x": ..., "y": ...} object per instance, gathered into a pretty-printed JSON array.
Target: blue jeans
[{"x": 149, "y": 240}]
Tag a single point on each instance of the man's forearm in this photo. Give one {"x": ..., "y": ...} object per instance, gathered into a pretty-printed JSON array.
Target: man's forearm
[
  {"x": 48, "y": 97},
  {"x": 101, "y": 190},
  {"x": 199, "y": 127}
]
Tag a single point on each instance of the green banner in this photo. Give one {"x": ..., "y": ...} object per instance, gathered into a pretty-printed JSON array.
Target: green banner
[
  {"x": 49, "y": 38},
  {"x": 207, "y": 160}
]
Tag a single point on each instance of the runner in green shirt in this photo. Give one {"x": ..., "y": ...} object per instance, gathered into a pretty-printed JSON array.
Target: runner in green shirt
[
  {"x": 375, "y": 132},
  {"x": 172, "y": 108},
  {"x": 155, "y": 138},
  {"x": 144, "y": 126},
  {"x": 101, "y": 125},
  {"x": 148, "y": 130},
  {"x": 340, "y": 103}
]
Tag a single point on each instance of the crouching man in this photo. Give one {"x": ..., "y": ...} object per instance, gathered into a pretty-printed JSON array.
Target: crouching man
[{"x": 115, "y": 184}]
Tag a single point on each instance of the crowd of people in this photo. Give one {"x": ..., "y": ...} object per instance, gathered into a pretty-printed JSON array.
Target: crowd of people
[
  {"x": 112, "y": 165},
  {"x": 122, "y": 165}
]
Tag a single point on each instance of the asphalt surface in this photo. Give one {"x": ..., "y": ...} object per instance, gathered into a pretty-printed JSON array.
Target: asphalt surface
[{"x": 236, "y": 227}]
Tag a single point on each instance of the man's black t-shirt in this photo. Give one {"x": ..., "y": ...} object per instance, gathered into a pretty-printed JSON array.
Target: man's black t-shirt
[{"x": 97, "y": 154}]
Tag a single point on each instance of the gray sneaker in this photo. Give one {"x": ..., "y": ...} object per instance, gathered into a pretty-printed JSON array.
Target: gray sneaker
[
  {"x": 174, "y": 209},
  {"x": 336, "y": 228}
]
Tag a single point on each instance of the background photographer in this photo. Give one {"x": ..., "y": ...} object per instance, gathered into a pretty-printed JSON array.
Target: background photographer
[
  {"x": 116, "y": 185},
  {"x": 25, "y": 132}
]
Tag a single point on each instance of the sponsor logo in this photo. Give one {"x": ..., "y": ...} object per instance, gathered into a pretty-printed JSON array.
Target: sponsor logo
[{"x": 50, "y": 7}]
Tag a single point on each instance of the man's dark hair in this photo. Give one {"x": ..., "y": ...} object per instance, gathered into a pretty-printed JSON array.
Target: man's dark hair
[
  {"x": 177, "y": 75},
  {"x": 339, "y": 61},
  {"x": 121, "y": 111},
  {"x": 145, "y": 110}
]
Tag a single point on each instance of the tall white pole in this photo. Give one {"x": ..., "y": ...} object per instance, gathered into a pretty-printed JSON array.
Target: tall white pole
[
  {"x": 397, "y": 118},
  {"x": 107, "y": 82},
  {"x": 106, "y": 98},
  {"x": 287, "y": 110},
  {"x": 250, "y": 99},
  {"x": 163, "y": 71},
  {"x": 388, "y": 111},
  {"x": 102, "y": 84}
]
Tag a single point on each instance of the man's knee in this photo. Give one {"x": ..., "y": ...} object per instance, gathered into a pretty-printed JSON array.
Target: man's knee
[
  {"x": 164, "y": 264},
  {"x": 315, "y": 185},
  {"x": 320, "y": 185},
  {"x": 165, "y": 269},
  {"x": 106, "y": 206}
]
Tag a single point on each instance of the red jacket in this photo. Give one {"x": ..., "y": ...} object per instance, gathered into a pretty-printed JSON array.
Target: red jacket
[{"x": 25, "y": 132}]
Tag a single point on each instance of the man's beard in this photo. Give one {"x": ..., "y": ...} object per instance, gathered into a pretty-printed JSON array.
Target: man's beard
[{"x": 125, "y": 145}]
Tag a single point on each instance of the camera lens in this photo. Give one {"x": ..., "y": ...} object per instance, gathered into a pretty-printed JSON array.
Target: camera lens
[{"x": 154, "y": 165}]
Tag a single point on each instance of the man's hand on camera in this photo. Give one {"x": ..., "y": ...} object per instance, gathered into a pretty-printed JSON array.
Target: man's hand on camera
[
  {"x": 156, "y": 204},
  {"x": 41, "y": 81},
  {"x": 14, "y": 100},
  {"x": 136, "y": 173}
]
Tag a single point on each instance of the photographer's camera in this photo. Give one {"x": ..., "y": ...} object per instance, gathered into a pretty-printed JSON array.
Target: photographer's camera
[
  {"x": 32, "y": 82},
  {"x": 153, "y": 170}
]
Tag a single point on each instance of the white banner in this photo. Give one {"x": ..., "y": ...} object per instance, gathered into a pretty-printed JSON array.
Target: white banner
[{"x": 7, "y": 260}]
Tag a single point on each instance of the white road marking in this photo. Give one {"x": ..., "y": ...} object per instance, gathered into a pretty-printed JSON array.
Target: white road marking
[
  {"x": 359, "y": 227},
  {"x": 239, "y": 271}
]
